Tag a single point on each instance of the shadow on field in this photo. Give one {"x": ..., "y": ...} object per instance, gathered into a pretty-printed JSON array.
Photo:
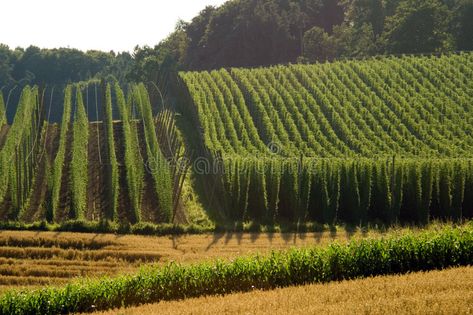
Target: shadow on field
[
  {"x": 216, "y": 238},
  {"x": 277, "y": 236}
]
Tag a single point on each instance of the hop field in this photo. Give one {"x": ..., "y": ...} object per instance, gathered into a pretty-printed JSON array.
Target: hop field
[
  {"x": 380, "y": 140},
  {"x": 377, "y": 141},
  {"x": 407, "y": 107},
  {"x": 89, "y": 171}
]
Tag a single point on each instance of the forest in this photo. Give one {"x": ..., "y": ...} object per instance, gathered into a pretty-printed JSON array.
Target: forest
[{"x": 251, "y": 33}]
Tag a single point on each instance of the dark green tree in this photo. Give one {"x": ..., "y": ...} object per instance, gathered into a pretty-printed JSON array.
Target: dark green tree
[
  {"x": 318, "y": 45},
  {"x": 463, "y": 25},
  {"x": 418, "y": 27}
]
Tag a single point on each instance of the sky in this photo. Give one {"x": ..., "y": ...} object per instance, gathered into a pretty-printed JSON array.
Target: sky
[{"x": 117, "y": 25}]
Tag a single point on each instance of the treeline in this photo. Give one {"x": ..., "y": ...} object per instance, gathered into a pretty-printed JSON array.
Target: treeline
[
  {"x": 248, "y": 33},
  {"x": 60, "y": 66}
]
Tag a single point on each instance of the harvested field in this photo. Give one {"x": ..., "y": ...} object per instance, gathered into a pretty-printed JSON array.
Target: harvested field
[{"x": 37, "y": 258}]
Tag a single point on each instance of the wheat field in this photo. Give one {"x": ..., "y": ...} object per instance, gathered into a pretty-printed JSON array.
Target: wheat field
[
  {"x": 32, "y": 259},
  {"x": 437, "y": 292}
]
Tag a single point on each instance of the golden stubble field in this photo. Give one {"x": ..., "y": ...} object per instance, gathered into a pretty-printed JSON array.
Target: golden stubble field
[
  {"x": 436, "y": 292},
  {"x": 32, "y": 259}
]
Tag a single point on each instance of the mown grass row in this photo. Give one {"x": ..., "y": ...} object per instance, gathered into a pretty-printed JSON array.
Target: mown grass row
[
  {"x": 408, "y": 253},
  {"x": 143, "y": 228}
]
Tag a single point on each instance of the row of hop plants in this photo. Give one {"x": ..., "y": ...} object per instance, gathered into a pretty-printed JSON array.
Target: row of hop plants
[
  {"x": 22, "y": 172},
  {"x": 438, "y": 134},
  {"x": 441, "y": 108},
  {"x": 133, "y": 161},
  {"x": 411, "y": 110},
  {"x": 157, "y": 163},
  {"x": 208, "y": 118},
  {"x": 409, "y": 252},
  {"x": 79, "y": 161},
  {"x": 172, "y": 146},
  {"x": 353, "y": 191},
  {"x": 319, "y": 125},
  {"x": 363, "y": 119},
  {"x": 384, "y": 118},
  {"x": 265, "y": 117},
  {"x": 55, "y": 180},
  {"x": 3, "y": 114},
  {"x": 112, "y": 183},
  {"x": 313, "y": 139},
  {"x": 242, "y": 126},
  {"x": 16, "y": 158}
]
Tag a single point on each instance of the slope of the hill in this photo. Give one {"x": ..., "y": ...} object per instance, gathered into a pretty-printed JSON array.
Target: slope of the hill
[{"x": 408, "y": 107}]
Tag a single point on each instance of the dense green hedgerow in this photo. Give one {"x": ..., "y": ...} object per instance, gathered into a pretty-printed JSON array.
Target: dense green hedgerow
[{"x": 408, "y": 253}]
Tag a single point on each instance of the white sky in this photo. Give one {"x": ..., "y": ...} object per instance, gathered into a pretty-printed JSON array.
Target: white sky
[{"x": 106, "y": 25}]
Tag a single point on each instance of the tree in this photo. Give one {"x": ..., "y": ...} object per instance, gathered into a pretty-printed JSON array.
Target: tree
[
  {"x": 318, "y": 45},
  {"x": 418, "y": 27},
  {"x": 350, "y": 41},
  {"x": 463, "y": 25},
  {"x": 5, "y": 66},
  {"x": 370, "y": 12}
]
